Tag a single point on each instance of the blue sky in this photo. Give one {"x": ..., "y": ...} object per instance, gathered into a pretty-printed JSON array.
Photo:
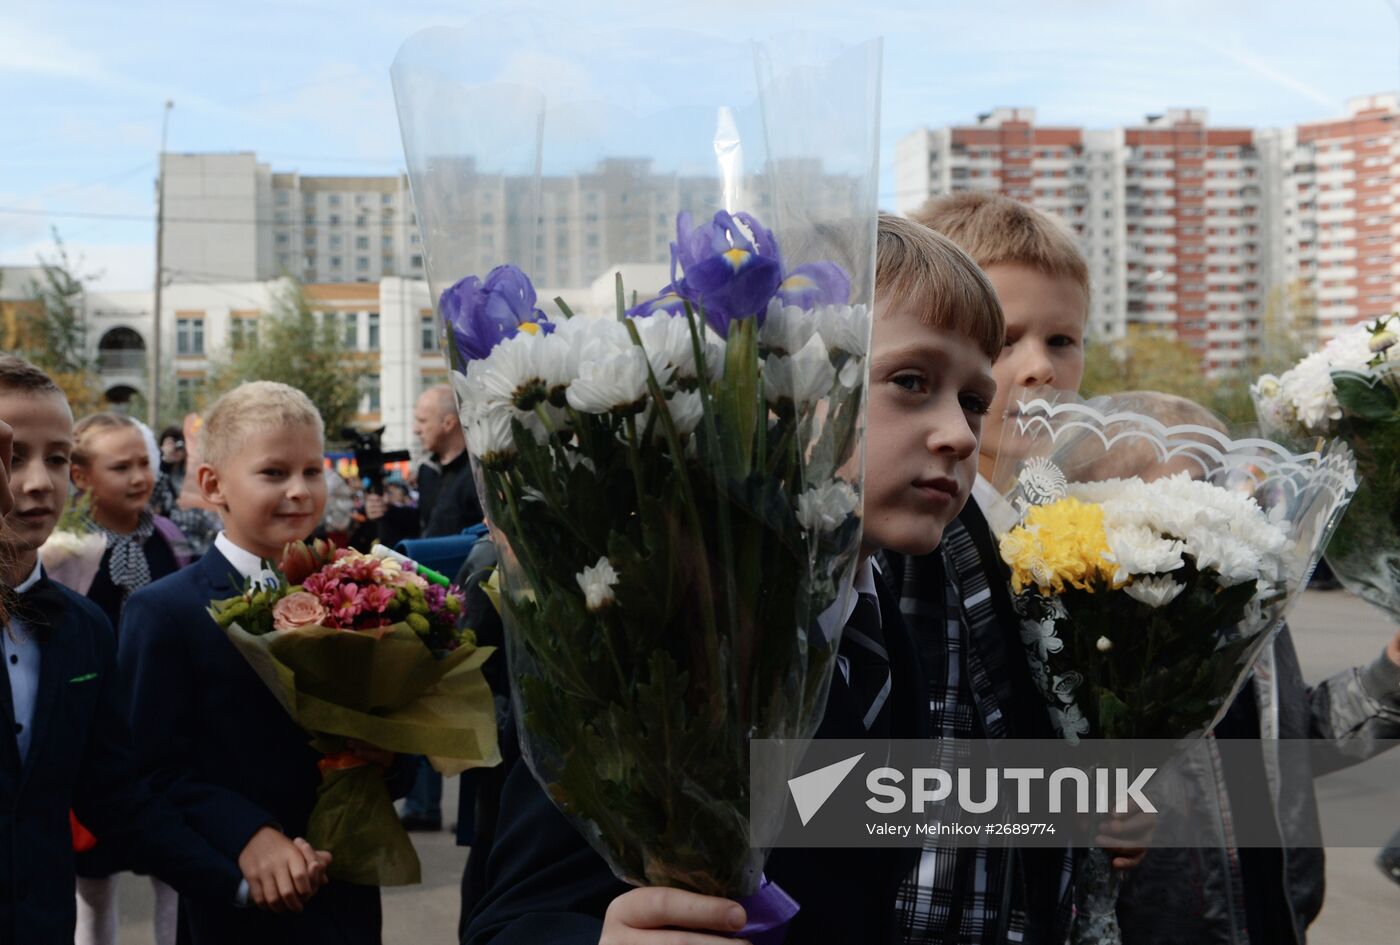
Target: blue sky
[{"x": 305, "y": 83}]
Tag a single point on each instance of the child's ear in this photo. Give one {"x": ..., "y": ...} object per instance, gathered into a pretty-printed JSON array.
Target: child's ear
[
  {"x": 207, "y": 478},
  {"x": 79, "y": 475}
]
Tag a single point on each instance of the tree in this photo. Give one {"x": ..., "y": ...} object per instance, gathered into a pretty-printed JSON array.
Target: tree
[
  {"x": 49, "y": 329},
  {"x": 1144, "y": 360},
  {"x": 295, "y": 347}
]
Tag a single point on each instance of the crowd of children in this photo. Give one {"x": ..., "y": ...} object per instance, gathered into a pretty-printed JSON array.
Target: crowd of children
[{"x": 135, "y": 717}]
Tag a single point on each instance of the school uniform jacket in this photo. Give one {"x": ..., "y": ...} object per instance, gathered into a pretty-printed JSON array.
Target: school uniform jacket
[
  {"x": 546, "y": 886},
  {"x": 215, "y": 740},
  {"x": 80, "y": 758}
]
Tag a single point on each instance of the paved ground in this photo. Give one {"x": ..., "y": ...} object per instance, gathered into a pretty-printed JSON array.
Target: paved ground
[{"x": 1332, "y": 630}]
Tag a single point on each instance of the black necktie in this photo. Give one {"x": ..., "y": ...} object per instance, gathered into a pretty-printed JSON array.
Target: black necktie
[
  {"x": 863, "y": 646},
  {"x": 41, "y": 605}
]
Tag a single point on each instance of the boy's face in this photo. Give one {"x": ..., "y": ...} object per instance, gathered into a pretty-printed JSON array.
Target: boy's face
[
  {"x": 929, "y": 391},
  {"x": 42, "y": 451},
  {"x": 1045, "y": 318},
  {"x": 271, "y": 491}
]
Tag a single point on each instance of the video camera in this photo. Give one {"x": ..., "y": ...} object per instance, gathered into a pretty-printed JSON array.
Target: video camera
[{"x": 370, "y": 457}]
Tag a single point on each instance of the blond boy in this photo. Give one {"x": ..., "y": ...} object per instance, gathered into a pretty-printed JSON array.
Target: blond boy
[{"x": 208, "y": 732}]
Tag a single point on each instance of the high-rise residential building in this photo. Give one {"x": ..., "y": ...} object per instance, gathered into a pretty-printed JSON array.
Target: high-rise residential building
[{"x": 1167, "y": 213}]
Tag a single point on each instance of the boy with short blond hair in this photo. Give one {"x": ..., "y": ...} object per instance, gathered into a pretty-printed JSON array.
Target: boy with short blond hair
[
  {"x": 60, "y": 699},
  {"x": 208, "y": 732},
  {"x": 937, "y": 328}
]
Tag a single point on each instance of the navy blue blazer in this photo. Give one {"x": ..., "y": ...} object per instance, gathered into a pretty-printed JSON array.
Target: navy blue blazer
[
  {"x": 80, "y": 757},
  {"x": 546, "y": 886},
  {"x": 216, "y": 741}
]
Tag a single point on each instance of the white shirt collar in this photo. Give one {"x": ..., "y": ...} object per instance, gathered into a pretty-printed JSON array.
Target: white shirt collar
[
  {"x": 248, "y": 564},
  {"x": 834, "y": 618},
  {"x": 33, "y": 578},
  {"x": 999, "y": 513}
]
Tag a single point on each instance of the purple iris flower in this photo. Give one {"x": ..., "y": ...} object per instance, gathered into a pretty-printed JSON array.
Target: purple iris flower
[
  {"x": 729, "y": 273},
  {"x": 483, "y": 314},
  {"x": 813, "y": 284},
  {"x": 667, "y": 300}
]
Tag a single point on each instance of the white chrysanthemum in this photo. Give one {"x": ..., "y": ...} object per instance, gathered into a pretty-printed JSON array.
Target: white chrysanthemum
[
  {"x": 687, "y": 410},
  {"x": 615, "y": 380},
  {"x": 1137, "y": 549},
  {"x": 826, "y": 507},
  {"x": 511, "y": 373},
  {"x": 1154, "y": 591},
  {"x": 852, "y": 373},
  {"x": 802, "y": 379},
  {"x": 597, "y": 582},
  {"x": 845, "y": 328},
  {"x": 489, "y": 437},
  {"x": 786, "y": 328}
]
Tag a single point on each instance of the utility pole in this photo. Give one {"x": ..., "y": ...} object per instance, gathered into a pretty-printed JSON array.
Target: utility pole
[{"x": 153, "y": 402}]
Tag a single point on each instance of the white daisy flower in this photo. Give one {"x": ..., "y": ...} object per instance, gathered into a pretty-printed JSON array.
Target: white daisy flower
[
  {"x": 826, "y": 507},
  {"x": 597, "y": 582},
  {"x": 615, "y": 380},
  {"x": 1154, "y": 591},
  {"x": 803, "y": 379}
]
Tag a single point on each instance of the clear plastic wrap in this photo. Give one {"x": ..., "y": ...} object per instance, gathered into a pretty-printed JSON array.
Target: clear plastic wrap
[{"x": 667, "y": 424}]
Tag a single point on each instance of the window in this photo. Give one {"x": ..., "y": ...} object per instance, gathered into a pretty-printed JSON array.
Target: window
[
  {"x": 362, "y": 264},
  {"x": 335, "y": 242},
  {"x": 242, "y": 332},
  {"x": 417, "y": 261},
  {"x": 333, "y": 200},
  {"x": 386, "y": 199},
  {"x": 187, "y": 391},
  {"x": 335, "y": 219},
  {"x": 335, "y": 262},
  {"x": 352, "y": 330},
  {"x": 487, "y": 219},
  {"x": 428, "y": 333},
  {"x": 362, "y": 242},
  {"x": 371, "y": 393},
  {"x": 283, "y": 239},
  {"x": 386, "y": 242},
  {"x": 361, "y": 220},
  {"x": 189, "y": 336},
  {"x": 359, "y": 200},
  {"x": 283, "y": 198},
  {"x": 372, "y": 341}
]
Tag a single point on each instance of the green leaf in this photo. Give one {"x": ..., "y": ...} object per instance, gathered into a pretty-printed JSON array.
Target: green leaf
[{"x": 1363, "y": 396}]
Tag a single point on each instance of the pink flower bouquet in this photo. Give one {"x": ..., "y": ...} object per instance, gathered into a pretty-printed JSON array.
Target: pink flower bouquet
[{"x": 358, "y": 647}]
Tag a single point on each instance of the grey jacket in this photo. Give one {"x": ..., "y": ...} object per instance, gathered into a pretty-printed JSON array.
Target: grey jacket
[{"x": 1195, "y": 895}]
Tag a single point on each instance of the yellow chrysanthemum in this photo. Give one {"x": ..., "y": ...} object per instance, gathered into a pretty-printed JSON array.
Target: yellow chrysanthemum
[{"x": 1063, "y": 543}]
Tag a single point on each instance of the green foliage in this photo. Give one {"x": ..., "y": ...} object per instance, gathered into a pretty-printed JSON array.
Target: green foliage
[{"x": 295, "y": 347}]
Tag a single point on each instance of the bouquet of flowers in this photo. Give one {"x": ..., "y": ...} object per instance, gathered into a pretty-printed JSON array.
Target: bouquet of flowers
[
  {"x": 1351, "y": 389},
  {"x": 674, "y": 483},
  {"x": 356, "y": 646},
  {"x": 73, "y": 553},
  {"x": 1150, "y": 563}
]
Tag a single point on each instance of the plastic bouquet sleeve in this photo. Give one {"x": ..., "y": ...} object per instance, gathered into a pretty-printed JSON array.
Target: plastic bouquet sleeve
[{"x": 667, "y": 433}]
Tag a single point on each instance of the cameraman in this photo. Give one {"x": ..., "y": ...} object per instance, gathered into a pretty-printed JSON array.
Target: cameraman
[{"x": 447, "y": 501}]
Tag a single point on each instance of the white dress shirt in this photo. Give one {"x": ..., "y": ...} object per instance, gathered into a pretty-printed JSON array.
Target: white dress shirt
[
  {"x": 245, "y": 562},
  {"x": 21, "y": 653},
  {"x": 833, "y": 620}
]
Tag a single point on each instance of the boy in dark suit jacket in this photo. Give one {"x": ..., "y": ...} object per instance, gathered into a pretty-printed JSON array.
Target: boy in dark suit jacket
[
  {"x": 208, "y": 732},
  {"x": 937, "y": 328},
  {"x": 65, "y": 744}
]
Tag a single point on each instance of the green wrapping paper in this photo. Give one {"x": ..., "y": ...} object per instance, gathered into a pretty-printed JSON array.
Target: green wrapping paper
[{"x": 386, "y": 688}]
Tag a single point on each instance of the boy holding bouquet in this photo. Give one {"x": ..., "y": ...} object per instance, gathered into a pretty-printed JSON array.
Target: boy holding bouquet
[
  {"x": 209, "y": 733},
  {"x": 68, "y": 744},
  {"x": 937, "y": 329}
]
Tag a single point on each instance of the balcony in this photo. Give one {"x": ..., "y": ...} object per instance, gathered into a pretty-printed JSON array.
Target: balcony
[{"x": 114, "y": 361}]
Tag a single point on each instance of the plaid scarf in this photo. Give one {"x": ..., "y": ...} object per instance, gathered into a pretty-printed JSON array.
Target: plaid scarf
[
  {"x": 126, "y": 554},
  {"x": 979, "y": 687}
]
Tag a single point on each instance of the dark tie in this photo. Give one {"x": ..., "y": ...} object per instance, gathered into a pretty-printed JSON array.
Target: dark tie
[
  {"x": 41, "y": 606},
  {"x": 863, "y": 646}
]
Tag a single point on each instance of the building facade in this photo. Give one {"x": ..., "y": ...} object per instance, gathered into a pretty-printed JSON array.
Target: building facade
[{"x": 1195, "y": 231}]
